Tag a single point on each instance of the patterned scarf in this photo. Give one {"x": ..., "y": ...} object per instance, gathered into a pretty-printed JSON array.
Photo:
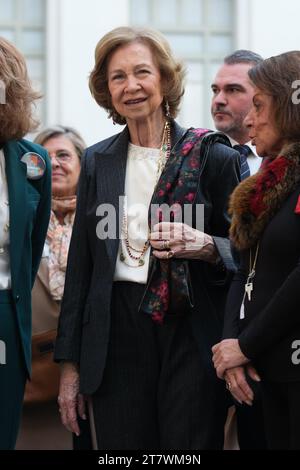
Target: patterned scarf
[
  {"x": 168, "y": 289},
  {"x": 58, "y": 239}
]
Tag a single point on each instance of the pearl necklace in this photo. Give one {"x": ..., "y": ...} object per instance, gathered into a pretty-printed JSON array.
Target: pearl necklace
[{"x": 135, "y": 254}]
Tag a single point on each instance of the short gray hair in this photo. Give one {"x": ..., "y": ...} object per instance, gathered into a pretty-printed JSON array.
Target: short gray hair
[
  {"x": 68, "y": 132},
  {"x": 243, "y": 56}
]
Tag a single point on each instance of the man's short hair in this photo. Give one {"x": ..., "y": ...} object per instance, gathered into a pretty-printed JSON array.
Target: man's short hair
[{"x": 243, "y": 56}]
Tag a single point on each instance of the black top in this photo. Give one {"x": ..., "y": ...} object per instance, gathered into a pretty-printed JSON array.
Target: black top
[{"x": 272, "y": 317}]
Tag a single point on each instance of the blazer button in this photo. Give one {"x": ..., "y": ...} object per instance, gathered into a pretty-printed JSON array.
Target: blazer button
[{"x": 17, "y": 298}]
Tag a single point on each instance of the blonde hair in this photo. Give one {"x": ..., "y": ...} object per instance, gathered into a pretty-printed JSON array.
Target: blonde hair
[
  {"x": 172, "y": 71},
  {"x": 16, "y": 118}
]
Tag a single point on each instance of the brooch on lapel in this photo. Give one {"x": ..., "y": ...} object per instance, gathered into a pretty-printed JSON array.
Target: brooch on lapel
[
  {"x": 36, "y": 165},
  {"x": 297, "y": 208}
]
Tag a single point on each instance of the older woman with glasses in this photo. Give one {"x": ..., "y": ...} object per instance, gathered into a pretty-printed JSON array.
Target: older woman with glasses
[{"x": 41, "y": 427}]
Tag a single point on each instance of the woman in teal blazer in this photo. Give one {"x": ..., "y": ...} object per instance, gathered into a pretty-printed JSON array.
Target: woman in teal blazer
[{"x": 25, "y": 198}]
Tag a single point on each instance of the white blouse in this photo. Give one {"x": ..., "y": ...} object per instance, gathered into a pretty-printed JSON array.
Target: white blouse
[
  {"x": 5, "y": 276},
  {"x": 140, "y": 181}
]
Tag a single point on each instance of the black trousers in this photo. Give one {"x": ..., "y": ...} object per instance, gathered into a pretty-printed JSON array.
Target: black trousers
[
  {"x": 12, "y": 374},
  {"x": 250, "y": 421},
  {"x": 84, "y": 440},
  {"x": 282, "y": 414},
  {"x": 156, "y": 392}
]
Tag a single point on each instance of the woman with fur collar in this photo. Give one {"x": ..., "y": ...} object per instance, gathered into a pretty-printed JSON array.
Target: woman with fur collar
[{"x": 262, "y": 325}]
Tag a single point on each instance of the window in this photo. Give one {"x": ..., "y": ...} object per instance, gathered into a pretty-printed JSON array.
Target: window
[
  {"x": 201, "y": 34},
  {"x": 23, "y": 23}
]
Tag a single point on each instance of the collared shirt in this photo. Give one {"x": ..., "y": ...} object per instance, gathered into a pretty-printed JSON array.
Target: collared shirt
[
  {"x": 5, "y": 275},
  {"x": 253, "y": 160}
]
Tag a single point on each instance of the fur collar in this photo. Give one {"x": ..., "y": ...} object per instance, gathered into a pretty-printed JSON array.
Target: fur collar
[{"x": 258, "y": 198}]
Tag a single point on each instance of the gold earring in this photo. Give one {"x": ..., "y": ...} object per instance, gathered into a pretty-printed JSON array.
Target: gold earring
[{"x": 167, "y": 109}]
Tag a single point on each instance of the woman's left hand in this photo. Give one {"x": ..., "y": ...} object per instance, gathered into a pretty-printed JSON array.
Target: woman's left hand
[
  {"x": 177, "y": 240},
  {"x": 70, "y": 401},
  {"x": 236, "y": 383},
  {"x": 227, "y": 354}
]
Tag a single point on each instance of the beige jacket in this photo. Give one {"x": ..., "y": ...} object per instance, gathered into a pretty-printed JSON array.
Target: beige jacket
[{"x": 45, "y": 310}]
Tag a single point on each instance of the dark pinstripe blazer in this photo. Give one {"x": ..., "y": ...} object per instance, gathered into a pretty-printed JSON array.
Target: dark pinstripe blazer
[{"x": 84, "y": 324}]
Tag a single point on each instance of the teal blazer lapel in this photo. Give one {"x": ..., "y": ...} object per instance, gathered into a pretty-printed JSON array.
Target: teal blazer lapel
[{"x": 16, "y": 181}]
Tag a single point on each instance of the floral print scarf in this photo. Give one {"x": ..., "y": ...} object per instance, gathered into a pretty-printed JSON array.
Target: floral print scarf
[
  {"x": 168, "y": 289},
  {"x": 58, "y": 240}
]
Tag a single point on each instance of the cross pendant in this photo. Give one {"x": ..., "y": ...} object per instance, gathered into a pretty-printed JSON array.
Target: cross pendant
[{"x": 249, "y": 289}]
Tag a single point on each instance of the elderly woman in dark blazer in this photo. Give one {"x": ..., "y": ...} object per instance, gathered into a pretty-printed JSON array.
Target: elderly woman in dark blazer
[
  {"x": 143, "y": 298},
  {"x": 25, "y": 199},
  {"x": 262, "y": 326}
]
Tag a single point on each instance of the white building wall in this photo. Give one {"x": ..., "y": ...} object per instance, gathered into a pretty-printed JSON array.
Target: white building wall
[
  {"x": 274, "y": 26},
  {"x": 268, "y": 27},
  {"x": 74, "y": 27}
]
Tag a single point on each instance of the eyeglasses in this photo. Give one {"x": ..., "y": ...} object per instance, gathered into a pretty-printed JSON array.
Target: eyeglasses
[{"x": 61, "y": 157}]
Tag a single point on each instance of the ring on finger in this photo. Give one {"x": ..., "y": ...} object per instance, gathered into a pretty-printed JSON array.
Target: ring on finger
[
  {"x": 228, "y": 385},
  {"x": 166, "y": 245},
  {"x": 170, "y": 254}
]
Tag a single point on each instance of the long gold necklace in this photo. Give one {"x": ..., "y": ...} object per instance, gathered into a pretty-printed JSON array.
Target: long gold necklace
[{"x": 136, "y": 254}]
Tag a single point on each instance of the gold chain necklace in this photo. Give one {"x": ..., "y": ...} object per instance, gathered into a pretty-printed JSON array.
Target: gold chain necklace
[{"x": 136, "y": 254}]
